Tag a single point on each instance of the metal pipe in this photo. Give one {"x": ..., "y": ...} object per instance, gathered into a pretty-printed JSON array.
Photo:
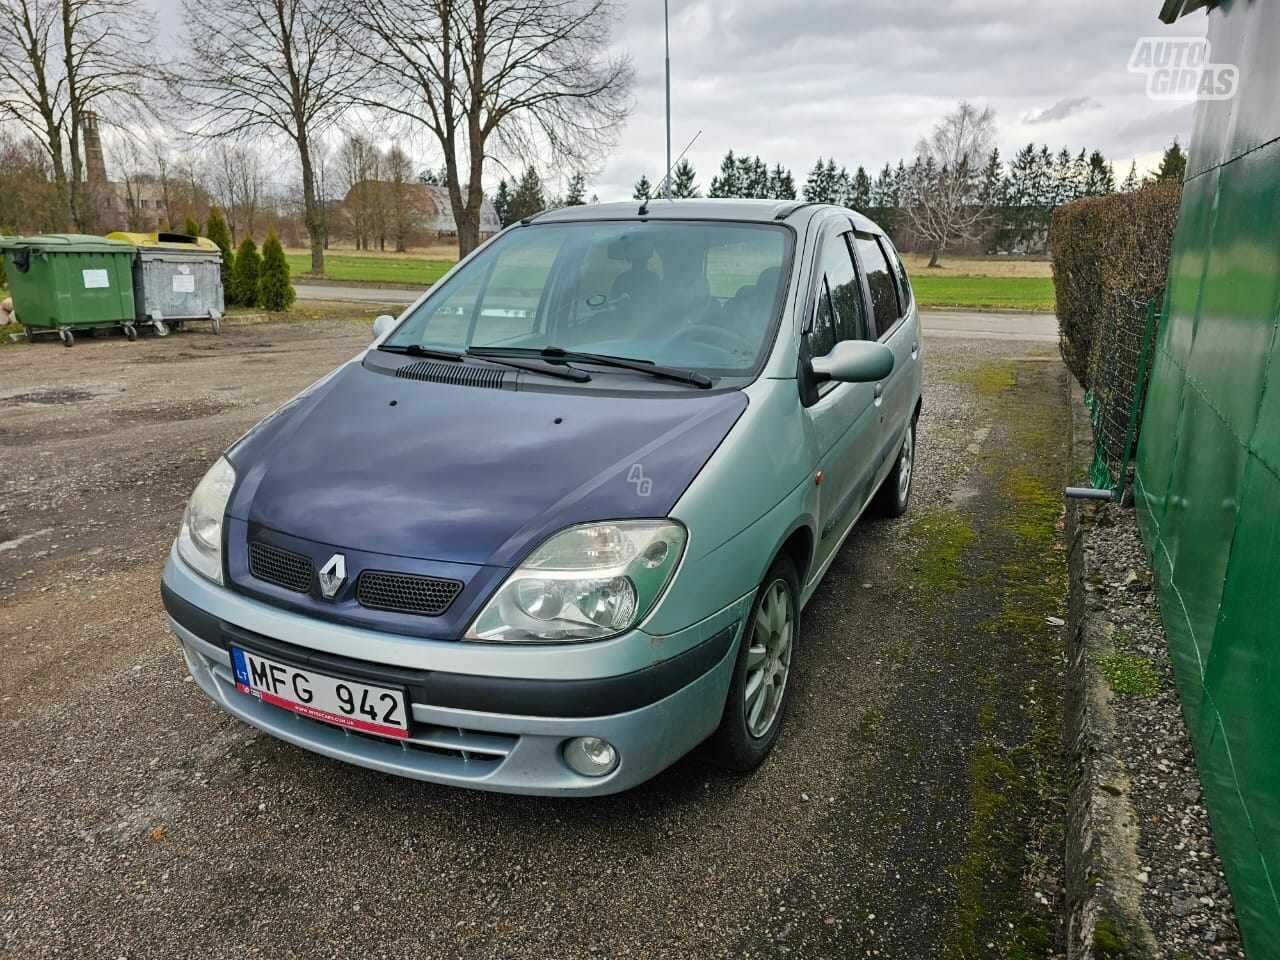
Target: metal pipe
[{"x": 1089, "y": 493}]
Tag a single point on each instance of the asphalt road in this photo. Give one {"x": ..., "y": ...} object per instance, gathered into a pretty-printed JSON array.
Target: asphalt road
[
  {"x": 966, "y": 324},
  {"x": 906, "y": 813}
]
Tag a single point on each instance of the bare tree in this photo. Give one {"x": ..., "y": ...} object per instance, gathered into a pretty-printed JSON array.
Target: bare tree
[
  {"x": 238, "y": 182},
  {"x": 270, "y": 66},
  {"x": 947, "y": 203},
  {"x": 360, "y": 171},
  {"x": 60, "y": 62},
  {"x": 483, "y": 76},
  {"x": 402, "y": 197}
]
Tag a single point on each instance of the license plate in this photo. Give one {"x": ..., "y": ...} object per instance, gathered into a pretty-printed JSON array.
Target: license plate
[{"x": 346, "y": 703}]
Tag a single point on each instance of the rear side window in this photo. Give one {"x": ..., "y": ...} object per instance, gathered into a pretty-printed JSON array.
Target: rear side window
[
  {"x": 884, "y": 288},
  {"x": 904, "y": 285}
]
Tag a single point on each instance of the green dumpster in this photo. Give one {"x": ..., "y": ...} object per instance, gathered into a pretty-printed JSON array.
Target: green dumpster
[
  {"x": 176, "y": 278},
  {"x": 65, "y": 283}
]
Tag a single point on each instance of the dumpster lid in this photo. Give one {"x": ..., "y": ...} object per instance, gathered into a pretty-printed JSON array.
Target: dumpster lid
[
  {"x": 64, "y": 243},
  {"x": 172, "y": 241}
]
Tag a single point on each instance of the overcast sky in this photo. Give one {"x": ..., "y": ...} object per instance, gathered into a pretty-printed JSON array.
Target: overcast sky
[{"x": 863, "y": 80}]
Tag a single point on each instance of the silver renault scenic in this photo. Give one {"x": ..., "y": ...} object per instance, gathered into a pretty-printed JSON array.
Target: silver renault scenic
[{"x": 556, "y": 526}]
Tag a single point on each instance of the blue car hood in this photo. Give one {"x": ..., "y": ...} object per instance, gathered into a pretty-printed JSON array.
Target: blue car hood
[{"x": 467, "y": 474}]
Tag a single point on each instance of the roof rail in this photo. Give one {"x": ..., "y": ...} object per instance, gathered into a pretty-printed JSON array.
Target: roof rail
[
  {"x": 532, "y": 217},
  {"x": 790, "y": 208}
]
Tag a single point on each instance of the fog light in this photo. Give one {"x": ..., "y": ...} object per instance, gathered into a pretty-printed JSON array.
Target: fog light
[{"x": 591, "y": 756}]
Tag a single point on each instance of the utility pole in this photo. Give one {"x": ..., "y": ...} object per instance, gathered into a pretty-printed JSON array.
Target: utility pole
[{"x": 666, "y": 20}]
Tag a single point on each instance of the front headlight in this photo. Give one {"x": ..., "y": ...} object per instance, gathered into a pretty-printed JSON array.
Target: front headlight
[
  {"x": 585, "y": 583},
  {"x": 200, "y": 539}
]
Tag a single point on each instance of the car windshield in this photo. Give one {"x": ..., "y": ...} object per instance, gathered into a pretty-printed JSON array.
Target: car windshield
[{"x": 693, "y": 295}]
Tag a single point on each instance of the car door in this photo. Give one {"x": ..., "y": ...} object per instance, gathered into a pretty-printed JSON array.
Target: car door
[
  {"x": 894, "y": 324},
  {"x": 842, "y": 417}
]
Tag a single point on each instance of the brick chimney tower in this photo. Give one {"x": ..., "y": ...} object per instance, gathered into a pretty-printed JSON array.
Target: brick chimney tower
[{"x": 95, "y": 161}]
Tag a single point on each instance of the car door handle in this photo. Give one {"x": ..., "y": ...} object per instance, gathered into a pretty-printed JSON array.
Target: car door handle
[
  {"x": 915, "y": 349},
  {"x": 879, "y": 391}
]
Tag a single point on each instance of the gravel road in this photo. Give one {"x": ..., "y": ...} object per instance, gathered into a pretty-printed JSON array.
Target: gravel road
[{"x": 908, "y": 811}]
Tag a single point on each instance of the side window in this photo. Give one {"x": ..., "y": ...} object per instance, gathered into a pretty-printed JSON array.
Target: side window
[
  {"x": 895, "y": 261},
  {"x": 840, "y": 313},
  {"x": 846, "y": 294},
  {"x": 884, "y": 289}
]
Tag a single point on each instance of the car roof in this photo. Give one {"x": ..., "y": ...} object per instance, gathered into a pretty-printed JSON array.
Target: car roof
[{"x": 758, "y": 211}]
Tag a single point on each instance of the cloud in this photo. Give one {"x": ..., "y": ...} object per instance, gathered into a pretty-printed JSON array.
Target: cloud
[
  {"x": 863, "y": 81},
  {"x": 1066, "y": 107}
]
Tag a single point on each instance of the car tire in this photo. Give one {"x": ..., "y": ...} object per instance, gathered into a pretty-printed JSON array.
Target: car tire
[
  {"x": 894, "y": 495},
  {"x": 744, "y": 737}
]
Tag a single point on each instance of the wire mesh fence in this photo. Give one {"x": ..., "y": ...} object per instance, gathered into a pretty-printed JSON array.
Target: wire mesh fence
[{"x": 1121, "y": 366}]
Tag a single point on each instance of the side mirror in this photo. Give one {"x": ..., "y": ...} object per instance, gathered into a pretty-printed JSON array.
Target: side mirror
[
  {"x": 383, "y": 325},
  {"x": 854, "y": 361}
]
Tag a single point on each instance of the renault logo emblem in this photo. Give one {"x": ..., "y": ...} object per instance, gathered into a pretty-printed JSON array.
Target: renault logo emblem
[{"x": 332, "y": 574}]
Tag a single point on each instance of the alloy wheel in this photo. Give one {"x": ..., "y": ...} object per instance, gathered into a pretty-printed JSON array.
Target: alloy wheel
[
  {"x": 769, "y": 658},
  {"x": 906, "y": 463}
]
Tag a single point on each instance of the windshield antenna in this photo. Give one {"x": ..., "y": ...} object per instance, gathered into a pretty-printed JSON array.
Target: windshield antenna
[{"x": 664, "y": 184}]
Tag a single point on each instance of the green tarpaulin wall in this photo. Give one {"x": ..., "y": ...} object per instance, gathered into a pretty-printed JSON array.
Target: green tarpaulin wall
[{"x": 1208, "y": 472}]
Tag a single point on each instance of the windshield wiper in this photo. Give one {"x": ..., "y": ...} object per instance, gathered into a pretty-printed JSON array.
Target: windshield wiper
[
  {"x": 605, "y": 360},
  {"x": 414, "y": 350},
  {"x": 551, "y": 370}
]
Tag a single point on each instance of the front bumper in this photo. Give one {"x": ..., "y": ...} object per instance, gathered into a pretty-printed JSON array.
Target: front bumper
[{"x": 461, "y": 735}]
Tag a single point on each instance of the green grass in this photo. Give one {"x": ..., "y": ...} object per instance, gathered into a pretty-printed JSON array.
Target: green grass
[
  {"x": 354, "y": 269},
  {"x": 1031, "y": 294}
]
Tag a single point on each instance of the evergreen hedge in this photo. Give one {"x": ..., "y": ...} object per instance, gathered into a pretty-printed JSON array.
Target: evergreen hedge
[
  {"x": 1108, "y": 254},
  {"x": 275, "y": 292},
  {"x": 216, "y": 230},
  {"x": 244, "y": 277}
]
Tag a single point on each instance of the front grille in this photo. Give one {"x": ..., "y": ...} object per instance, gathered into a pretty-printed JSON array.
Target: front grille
[
  {"x": 437, "y": 371},
  {"x": 284, "y": 568},
  {"x": 406, "y": 592}
]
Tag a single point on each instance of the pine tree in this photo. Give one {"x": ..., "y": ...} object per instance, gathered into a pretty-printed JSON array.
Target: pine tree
[
  {"x": 643, "y": 189},
  {"x": 820, "y": 187},
  {"x": 726, "y": 184},
  {"x": 275, "y": 291},
  {"x": 684, "y": 184},
  {"x": 576, "y": 196},
  {"x": 1131, "y": 182},
  {"x": 1102, "y": 179},
  {"x": 244, "y": 281},
  {"x": 860, "y": 192},
  {"x": 527, "y": 199},
  {"x": 1064, "y": 187},
  {"x": 502, "y": 202},
  {"x": 842, "y": 185},
  {"x": 782, "y": 186},
  {"x": 191, "y": 228},
  {"x": 216, "y": 230},
  {"x": 1173, "y": 165}
]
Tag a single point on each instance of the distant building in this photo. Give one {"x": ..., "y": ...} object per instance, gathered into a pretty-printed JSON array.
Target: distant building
[{"x": 140, "y": 204}]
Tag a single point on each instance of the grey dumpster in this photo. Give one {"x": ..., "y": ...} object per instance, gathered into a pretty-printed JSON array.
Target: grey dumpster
[{"x": 176, "y": 278}]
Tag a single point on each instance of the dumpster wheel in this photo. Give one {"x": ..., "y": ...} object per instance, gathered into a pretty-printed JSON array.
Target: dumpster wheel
[
  {"x": 131, "y": 332},
  {"x": 217, "y": 326},
  {"x": 161, "y": 329},
  {"x": 68, "y": 338}
]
